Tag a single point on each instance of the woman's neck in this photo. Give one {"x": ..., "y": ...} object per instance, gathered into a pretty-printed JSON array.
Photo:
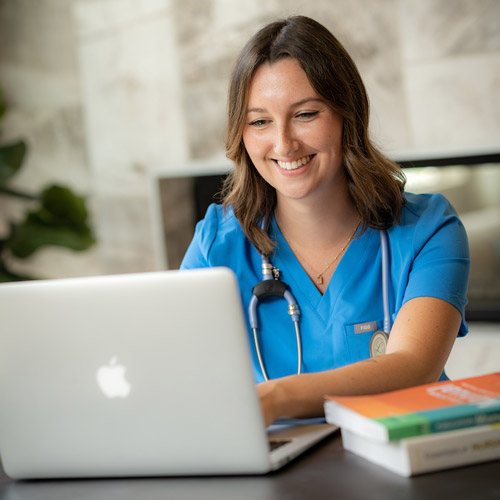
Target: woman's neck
[
  {"x": 318, "y": 234},
  {"x": 323, "y": 224}
]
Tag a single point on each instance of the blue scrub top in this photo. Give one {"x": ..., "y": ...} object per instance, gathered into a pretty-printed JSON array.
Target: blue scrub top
[{"x": 428, "y": 256}]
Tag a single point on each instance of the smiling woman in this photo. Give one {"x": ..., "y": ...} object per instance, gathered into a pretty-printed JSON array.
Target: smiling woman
[
  {"x": 374, "y": 182},
  {"x": 380, "y": 274}
]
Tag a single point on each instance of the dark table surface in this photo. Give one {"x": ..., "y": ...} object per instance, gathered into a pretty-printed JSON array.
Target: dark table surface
[{"x": 327, "y": 471}]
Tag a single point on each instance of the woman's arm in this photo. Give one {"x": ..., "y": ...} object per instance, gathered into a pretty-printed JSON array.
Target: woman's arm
[{"x": 419, "y": 345}]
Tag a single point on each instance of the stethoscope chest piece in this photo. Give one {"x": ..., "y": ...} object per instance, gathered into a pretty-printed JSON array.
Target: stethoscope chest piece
[{"x": 378, "y": 343}]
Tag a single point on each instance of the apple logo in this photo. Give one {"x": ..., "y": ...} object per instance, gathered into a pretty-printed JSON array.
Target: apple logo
[{"x": 111, "y": 380}]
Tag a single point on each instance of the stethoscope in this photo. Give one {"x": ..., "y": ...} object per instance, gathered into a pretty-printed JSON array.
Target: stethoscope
[{"x": 272, "y": 286}]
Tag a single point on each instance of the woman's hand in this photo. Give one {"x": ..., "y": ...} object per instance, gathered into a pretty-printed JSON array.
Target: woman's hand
[
  {"x": 269, "y": 394},
  {"x": 286, "y": 397}
]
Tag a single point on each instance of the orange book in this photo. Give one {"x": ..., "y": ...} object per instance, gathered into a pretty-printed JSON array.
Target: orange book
[{"x": 429, "y": 408}]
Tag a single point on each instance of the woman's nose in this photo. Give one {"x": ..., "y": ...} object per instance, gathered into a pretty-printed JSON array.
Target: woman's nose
[{"x": 285, "y": 141}]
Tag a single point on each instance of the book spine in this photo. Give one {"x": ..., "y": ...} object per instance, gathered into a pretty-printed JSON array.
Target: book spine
[
  {"x": 461, "y": 422},
  {"x": 441, "y": 419}
]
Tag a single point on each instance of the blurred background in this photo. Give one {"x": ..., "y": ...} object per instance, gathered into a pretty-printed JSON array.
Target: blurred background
[{"x": 115, "y": 97}]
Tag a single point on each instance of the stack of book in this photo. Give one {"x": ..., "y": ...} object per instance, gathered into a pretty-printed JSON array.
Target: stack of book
[{"x": 425, "y": 428}]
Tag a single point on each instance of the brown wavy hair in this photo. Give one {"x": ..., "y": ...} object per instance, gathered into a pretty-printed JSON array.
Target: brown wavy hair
[{"x": 374, "y": 182}]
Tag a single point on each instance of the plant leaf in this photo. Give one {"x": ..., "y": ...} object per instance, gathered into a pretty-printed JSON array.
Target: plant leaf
[
  {"x": 61, "y": 221},
  {"x": 61, "y": 207},
  {"x": 34, "y": 234},
  {"x": 11, "y": 159}
]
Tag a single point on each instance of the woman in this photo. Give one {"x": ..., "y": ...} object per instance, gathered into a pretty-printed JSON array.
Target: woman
[{"x": 313, "y": 195}]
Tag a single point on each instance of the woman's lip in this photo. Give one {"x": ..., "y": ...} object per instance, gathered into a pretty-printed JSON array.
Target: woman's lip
[{"x": 294, "y": 164}]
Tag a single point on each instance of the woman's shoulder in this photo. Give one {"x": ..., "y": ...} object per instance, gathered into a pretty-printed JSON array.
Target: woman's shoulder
[
  {"x": 219, "y": 220},
  {"x": 219, "y": 227},
  {"x": 419, "y": 205},
  {"x": 427, "y": 210},
  {"x": 214, "y": 234},
  {"x": 425, "y": 216}
]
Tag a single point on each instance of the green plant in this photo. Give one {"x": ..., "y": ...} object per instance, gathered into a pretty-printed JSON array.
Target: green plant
[{"x": 56, "y": 216}]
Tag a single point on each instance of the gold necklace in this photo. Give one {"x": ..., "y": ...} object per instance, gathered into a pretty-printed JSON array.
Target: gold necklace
[{"x": 319, "y": 276}]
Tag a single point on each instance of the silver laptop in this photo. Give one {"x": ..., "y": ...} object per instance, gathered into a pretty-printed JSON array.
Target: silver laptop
[{"x": 133, "y": 375}]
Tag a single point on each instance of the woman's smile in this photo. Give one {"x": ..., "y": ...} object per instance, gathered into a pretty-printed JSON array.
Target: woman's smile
[{"x": 295, "y": 164}]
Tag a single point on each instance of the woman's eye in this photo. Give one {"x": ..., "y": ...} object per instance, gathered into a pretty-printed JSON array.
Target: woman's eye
[
  {"x": 307, "y": 115},
  {"x": 258, "y": 123}
]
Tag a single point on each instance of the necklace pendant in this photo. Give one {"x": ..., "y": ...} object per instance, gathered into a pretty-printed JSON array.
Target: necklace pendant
[{"x": 319, "y": 279}]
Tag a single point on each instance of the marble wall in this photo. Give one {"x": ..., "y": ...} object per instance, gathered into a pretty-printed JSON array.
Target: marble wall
[
  {"x": 109, "y": 91},
  {"x": 451, "y": 68}
]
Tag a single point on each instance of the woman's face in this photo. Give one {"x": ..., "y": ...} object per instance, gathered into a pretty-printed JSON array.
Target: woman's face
[{"x": 292, "y": 136}]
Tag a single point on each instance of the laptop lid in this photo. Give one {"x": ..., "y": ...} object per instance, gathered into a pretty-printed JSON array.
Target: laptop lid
[
  {"x": 129, "y": 375},
  {"x": 138, "y": 374}
]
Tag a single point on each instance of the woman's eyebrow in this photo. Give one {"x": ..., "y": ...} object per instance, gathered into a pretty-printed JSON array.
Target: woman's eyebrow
[
  {"x": 294, "y": 105},
  {"x": 306, "y": 100}
]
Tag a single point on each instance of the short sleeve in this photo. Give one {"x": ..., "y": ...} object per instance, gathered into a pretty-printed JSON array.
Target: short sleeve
[
  {"x": 204, "y": 236},
  {"x": 441, "y": 263}
]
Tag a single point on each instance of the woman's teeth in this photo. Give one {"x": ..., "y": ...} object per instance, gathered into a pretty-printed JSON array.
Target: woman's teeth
[{"x": 292, "y": 165}]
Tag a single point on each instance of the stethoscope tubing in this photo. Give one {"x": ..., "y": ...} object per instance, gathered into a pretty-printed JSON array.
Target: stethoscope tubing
[
  {"x": 385, "y": 281},
  {"x": 271, "y": 285}
]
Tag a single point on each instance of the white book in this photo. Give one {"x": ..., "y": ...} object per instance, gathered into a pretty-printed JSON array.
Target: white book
[{"x": 431, "y": 452}]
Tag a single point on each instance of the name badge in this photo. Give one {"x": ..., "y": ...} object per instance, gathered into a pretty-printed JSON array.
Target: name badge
[{"x": 365, "y": 327}]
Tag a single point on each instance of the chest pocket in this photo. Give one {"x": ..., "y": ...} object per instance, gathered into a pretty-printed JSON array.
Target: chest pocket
[{"x": 358, "y": 336}]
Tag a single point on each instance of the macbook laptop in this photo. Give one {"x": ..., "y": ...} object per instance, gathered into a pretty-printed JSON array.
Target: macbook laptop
[{"x": 133, "y": 375}]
